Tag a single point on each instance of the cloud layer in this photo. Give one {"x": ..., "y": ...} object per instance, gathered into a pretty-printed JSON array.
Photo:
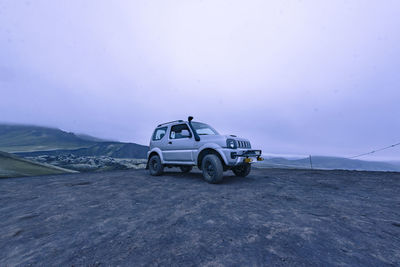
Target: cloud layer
[{"x": 295, "y": 77}]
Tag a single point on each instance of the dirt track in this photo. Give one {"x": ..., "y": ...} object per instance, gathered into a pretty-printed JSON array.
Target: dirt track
[{"x": 127, "y": 218}]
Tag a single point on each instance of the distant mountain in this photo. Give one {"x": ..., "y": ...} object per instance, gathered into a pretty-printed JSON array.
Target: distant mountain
[
  {"x": 22, "y": 138},
  {"x": 110, "y": 149},
  {"x": 13, "y": 166},
  {"x": 321, "y": 162},
  {"x": 28, "y": 141},
  {"x": 91, "y": 138}
]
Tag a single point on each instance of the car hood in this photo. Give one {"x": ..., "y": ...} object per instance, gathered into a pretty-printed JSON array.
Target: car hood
[
  {"x": 234, "y": 137},
  {"x": 220, "y": 139}
]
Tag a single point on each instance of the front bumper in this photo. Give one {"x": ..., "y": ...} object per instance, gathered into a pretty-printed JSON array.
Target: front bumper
[
  {"x": 246, "y": 154},
  {"x": 240, "y": 156}
]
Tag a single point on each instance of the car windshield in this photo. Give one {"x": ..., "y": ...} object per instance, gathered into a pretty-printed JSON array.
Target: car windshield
[{"x": 204, "y": 129}]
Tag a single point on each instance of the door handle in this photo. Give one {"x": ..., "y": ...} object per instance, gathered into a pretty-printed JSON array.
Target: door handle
[{"x": 169, "y": 143}]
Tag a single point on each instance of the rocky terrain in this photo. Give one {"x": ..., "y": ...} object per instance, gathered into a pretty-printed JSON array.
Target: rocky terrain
[
  {"x": 35, "y": 150},
  {"x": 274, "y": 217},
  {"x": 88, "y": 163}
]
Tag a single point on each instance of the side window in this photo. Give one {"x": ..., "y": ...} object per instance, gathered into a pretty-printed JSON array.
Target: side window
[
  {"x": 159, "y": 133},
  {"x": 180, "y": 131}
]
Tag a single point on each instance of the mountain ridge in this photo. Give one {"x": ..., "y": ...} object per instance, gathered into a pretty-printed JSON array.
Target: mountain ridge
[
  {"x": 20, "y": 138},
  {"x": 31, "y": 140},
  {"x": 327, "y": 162}
]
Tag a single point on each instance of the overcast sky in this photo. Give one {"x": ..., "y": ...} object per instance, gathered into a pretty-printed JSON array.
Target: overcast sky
[{"x": 295, "y": 77}]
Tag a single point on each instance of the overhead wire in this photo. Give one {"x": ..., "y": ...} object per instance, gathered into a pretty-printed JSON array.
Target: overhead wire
[
  {"x": 374, "y": 151},
  {"x": 353, "y": 157}
]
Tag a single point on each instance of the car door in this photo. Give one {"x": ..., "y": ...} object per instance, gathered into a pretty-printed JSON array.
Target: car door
[{"x": 180, "y": 144}]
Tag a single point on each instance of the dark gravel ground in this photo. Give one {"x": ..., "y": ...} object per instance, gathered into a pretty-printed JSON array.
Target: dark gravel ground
[{"x": 273, "y": 217}]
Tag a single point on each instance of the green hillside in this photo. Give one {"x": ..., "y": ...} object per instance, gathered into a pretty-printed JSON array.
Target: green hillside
[
  {"x": 12, "y": 166},
  {"x": 22, "y": 138}
]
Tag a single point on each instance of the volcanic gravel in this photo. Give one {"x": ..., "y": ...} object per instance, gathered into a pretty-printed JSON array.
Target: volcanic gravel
[{"x": 272, "y": 217}]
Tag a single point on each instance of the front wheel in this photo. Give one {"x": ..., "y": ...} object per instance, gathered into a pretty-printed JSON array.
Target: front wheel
[
  {"x": 242, "y": 170},
  {"x": 213, "y": 170},
  {"x": 155, "y": 166},
  {"x": 186, "y": 169}
]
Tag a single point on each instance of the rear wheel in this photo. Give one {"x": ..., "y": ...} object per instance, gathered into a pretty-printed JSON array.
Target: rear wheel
[
  {"x": 155, "y": 166},
  {"x": 242, "y": 170},
  {"x": 213, "y": 171},
  {"x": 186, "y": 169}
]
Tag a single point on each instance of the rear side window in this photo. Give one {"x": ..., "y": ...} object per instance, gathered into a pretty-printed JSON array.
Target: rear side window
[{"x": 159, "y": 133}]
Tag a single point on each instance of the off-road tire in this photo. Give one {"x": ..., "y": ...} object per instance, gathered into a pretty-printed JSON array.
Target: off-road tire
[
  {"x": 213, "y": 171},
  {"x": 186, "y": 169},
  {"x": 155, "y": 166},
  {"x": 242, "y": 170}
]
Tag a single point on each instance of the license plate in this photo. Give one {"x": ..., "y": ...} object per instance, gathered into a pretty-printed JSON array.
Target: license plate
[{"x": 248, "y": 160}]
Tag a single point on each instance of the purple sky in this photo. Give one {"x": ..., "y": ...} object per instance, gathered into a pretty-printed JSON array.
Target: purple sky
[{"x": 295, "y": 77}]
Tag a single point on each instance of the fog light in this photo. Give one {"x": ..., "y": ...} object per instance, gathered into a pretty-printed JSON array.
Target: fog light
[
  {"x": 248, "y": 160},
  {"x": 260, "y": 159}
]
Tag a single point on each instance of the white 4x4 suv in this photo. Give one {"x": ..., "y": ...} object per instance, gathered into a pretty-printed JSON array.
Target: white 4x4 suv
[{"x": 186, "y": 144}]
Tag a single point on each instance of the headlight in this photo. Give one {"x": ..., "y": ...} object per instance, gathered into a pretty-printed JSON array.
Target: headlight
[{"x": 230, "y": 143}]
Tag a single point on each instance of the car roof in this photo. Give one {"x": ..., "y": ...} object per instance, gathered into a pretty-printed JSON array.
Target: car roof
[
  {"x": 175, "y": 122},
  {"x": 171, "y": 122}
]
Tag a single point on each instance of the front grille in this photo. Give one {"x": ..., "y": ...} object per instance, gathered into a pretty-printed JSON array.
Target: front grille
[{"x": 243, "y": 144}]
